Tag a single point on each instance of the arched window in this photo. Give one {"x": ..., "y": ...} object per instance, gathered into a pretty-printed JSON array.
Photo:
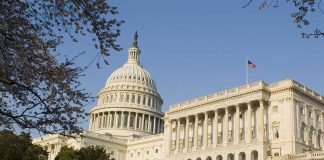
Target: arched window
[
  {"x": 115, "y": 97},
  {"x": 303, "y": 134}
]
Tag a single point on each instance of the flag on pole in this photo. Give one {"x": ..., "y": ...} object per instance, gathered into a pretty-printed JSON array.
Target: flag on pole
[{"x": 251, "y": 65}]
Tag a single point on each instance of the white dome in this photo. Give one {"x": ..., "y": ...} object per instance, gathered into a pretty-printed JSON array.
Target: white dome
[{"x": 131, "y": 74}]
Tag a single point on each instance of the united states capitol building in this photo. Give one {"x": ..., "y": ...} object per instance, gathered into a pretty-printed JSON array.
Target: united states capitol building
[{"x": 282, "y": 120}]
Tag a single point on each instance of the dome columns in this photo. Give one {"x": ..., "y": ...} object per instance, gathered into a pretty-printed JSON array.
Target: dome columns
[{"x": 138, "y": 121}]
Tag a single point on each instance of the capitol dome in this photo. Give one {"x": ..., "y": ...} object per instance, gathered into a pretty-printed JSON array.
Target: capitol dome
[{"x": 129, "y": 105}]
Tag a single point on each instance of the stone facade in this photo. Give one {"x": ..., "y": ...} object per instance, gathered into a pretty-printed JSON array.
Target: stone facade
[{"x": 282, "y": 120}]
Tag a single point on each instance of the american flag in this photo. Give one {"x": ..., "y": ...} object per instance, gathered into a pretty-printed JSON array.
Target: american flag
[{"x": 251, "y": 65}]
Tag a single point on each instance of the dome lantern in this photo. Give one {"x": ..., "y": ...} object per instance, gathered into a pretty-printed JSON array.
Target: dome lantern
[{"x": 134, "y": 51}]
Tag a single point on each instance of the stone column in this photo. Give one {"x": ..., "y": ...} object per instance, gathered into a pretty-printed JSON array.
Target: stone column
[
  {"x": 169, "y": 129},
  {"x": 225, "y": 127},
  {"x": 178, "y": 136},
  {"x": 128, "y": 120},
  {"x": 96, "y": 121},
  {"x": 136, "y": 116},
  {"x": 90, "y": 122},
  {"x": 154, "y": 124},
  {"x": 261, "y": 121},
  {"x": 205, "y": 133},
  {"x": 248, "y": 123},
  {"x": 237, "y": 124},
  {"x": 143, "y": 119},
  {"x": 196, "y": 132},
  {"x": 116, "y": 119},
  {"x": 186, "y": 135},
  {"x": 122, "y": 120},
  {"x": 149, "y": 124},
  {"x": 215, "y": 129},
  {"x": 158, "y": 125}
]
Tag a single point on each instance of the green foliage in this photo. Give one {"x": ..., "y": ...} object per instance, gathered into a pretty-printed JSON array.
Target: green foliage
[
  {"x": 67, "y": 153},
  {"x": 19, "y": 147},
  {"x": 88, "y": 153},
  {"x": 37, "y": 90}
]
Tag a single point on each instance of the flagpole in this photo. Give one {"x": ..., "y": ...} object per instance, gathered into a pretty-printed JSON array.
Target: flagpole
[{"x": 246, "y": 71}]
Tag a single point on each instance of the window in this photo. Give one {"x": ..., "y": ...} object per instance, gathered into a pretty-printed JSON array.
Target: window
[
  {"x": 127, "y": 97},
  {"x": 138, "y": 99},
  {"x": 133, "y": 98},
  {"x": 144, "y": 100},
  {"x": 147, "y": 152},
  {"x": 276, "y": 154},
  {"x": 138, "y": 153},
  {"x": 121, "y": 98},
  {"x": 131, "y": 155},
  {"x": 156, "y": 151},
  {"x": 276, "y": 133},
  {"x": 302, "y": 111}
]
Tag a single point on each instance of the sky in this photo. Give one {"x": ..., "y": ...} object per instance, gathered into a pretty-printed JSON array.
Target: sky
[{"x": 194, "y": 48}]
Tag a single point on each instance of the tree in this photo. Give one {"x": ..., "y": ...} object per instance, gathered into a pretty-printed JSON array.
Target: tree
[
  {"x": 67, "y": 153},
  {"x": 93, "y": 153},
  {"x": 19, "y": 147},
  {"x": 37, "y": 90},
  {"x": 304, "y": 9},
  {"x": 88, "y": 153}
]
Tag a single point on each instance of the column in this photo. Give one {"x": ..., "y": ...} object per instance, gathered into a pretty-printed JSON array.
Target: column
[
  {"x": 225, "y": 127},
  {"x": 196, "y": 132},
  {"x": 116, "y": 119},
  {"x": 90, "y": 123},
  {"x": 237, "y": 124},
  {"x": 154, "y": 123},
  {"x": 113, "y": 118},
  {"x": 205, "y": 133},
  {"x": 149, "y": 124},
  {"x": 158, "y": 125},
  {"x": 128, "y": 120},
  {"x": 96, "y": 121},
  {"x": 248, "y": 123},
  {"x": 169, "y": 129},
  {"x": 178, "y": 136},
  {"x": 215, "y": 129},
  {"x": 261, "y": 121},
  {"x": 143, "y": 119},
  {"x": 136, "y": 116},
  {"x": 186, "y": 135},
  {"x": 122, "y": 120}
]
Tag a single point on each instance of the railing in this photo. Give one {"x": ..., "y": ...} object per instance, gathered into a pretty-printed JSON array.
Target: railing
[
  {"x": 244, "y": 89},
  {"x": 302, "y": 156},
  {"x": 108, "y": 137},
  {"x": 219, "y": 95}
]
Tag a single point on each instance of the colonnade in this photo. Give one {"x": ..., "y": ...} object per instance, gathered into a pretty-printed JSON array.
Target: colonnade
[
  {"x": 126, "y": 120},
  {"x": 229, "y": 125}
]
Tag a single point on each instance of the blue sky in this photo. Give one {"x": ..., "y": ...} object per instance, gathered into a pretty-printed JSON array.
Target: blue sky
[{"x": 194, "y": 48}]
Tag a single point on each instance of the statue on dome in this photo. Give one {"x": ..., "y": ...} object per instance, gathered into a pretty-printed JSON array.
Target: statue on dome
[{"x": 135, "y": 40}]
